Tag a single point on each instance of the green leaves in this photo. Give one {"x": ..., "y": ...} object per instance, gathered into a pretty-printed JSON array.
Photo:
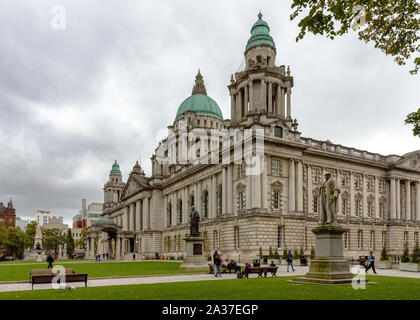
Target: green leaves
[{"x": 414, "y": 119}]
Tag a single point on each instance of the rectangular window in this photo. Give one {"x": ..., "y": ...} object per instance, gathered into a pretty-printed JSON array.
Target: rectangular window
[
  {"x": 357, "y": 181},
  {"x": 383, "y": 238},
  {"x": 278, "y": 132},
  {"x": 276, "y": 199},
  {"x": 345, "y": 239},
  {"x": 345, "y": 179},
  {"x": 344, "y": 206},
  {"x": 370, "y": 183},
  {"x": 275, "y": 167},
  {"x": 280, "y": 237},
  {"x": 405, "y": 236},
  {"x": 381, "y": 185},
  {"x": 358, "y": 207},
  {"x": 315, "y": 205},
  {"x": 237, "y": 243},
  {"x": 370, "y": 212},
  {"x": 381, "y": 210},
  {"x": 315, "y": 176},
  {"x": 372, "y": 240},
  {"x": 359, "y": 239}
]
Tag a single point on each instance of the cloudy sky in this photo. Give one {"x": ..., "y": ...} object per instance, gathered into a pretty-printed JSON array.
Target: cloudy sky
[{"x": 73, "y": 100}]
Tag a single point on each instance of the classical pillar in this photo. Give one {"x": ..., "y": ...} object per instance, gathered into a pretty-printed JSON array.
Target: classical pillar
[
  {"x": 292, "y": 185},
  {"x": 289, "y": 107},
  {"x": 263, "y": 96},
  {"x": 299, "y": 187},
  {"x": 240, "y": 103},
  {"x": 407, "y": 200},
  {"x": 310, "y": 196},
  {"x": 398, "y": 199},
  {"x": 126, "y": 218},
  {"x": 376, "y": 210},
  {"x": 251, "y": 96},
  {"x": 418, "y": 201},
  {"x": 352, "y": 211},
  {"x": 210, "y": 191},
  {"x": 264, "y": 182},
  {"x": 232, "y": 107},
  {"x": 246, "y": 100},
  {"x": 282, "y": 104},
  {"x": 118, "y": 247},
  {"x": 364, "y": 196},
  {"x": 278, "y": 101},
  {"x": 248, "y": 191},
  {"x": 229, "y": 190},
  {"x": 131, "y": 217},
  {"x": 198, "y": 199},
  {"x": 238, "y": 115},
  {"x": 165, "y": 212},
  {"x": 270, "y": 97},
  {"x": 393, "y": 200},
  {"x": 145, "y": 213},
  {"x": 224, "y": 189},
  {"x": 339, "y": 186},
  {"x": 185, "y": 210},
  {"x": 174, "y": 209},
  {"x": 214, "y": 197}
]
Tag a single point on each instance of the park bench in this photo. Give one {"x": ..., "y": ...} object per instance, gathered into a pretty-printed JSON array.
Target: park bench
[
  {"x": 260, "y": 271},
  {"x": 212, "y": 267},
  {"x": 38, "y": 276}
]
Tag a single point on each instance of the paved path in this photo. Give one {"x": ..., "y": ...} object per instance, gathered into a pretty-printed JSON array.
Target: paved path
[{"x": 23, "y": 286}]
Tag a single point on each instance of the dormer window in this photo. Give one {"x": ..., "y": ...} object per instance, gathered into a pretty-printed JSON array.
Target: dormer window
[{"x": 278, "y": 132}]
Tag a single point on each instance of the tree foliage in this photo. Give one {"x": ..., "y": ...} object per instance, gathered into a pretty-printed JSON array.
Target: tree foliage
[
  {"x": 14, "y": 242},
  {"x": 406, "y": 254},
  {"x": 414, "y": 119},
  {"x": 52, "y": 239},
  {"x": 30, "y": 234},
  {"x": 392, "y": 25},
  {"x": 81, "y": 243},
  {"x": 384, "y": 254},
  {"x": 69, "y": 243},
  {"x": 415, "y": 256},
  {"x": 2, "y": 233}
]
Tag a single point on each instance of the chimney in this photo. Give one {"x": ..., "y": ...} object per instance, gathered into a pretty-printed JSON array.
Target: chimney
[{"x": 84, "y": 210}]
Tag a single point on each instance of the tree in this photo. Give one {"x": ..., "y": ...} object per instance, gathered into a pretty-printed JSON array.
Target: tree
[
  {"x": 52, "y": 239},
  {"x": 312, "y": 253},
  {"x": 414, "y": 119},
  {"x": 260, "y": 253},
  {"x": 2, "y": 233},
  {"x": 270, "y": 253},
  {"x": 276, "y": 254},
  {"x": 14, "y": 242},
  {"x": 301, "y": 253},
  {"x": 415, "y": 256},
  {"x": 295, "y": 254},
  {"x": 284, "y": 256},
  {"x": 406, "y": 254},
  {"x": 69, "y": 243},
  {"x": 81, "y": 243},
  {"x": 30, "y": 234},
  {"x": 392, "y": 26},
  {"x": 384, "y": 254}
]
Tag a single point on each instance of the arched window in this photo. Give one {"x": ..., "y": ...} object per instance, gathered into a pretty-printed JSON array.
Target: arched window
[
  {"x": 170, "y": 214},
  {"x": 180, "y": 211}
]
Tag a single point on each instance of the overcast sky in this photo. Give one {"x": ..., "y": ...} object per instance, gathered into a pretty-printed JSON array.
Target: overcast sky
[{"x": 74, "y": 100}]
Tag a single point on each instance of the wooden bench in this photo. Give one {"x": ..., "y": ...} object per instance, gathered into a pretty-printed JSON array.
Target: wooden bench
[
  {"x": 260, "y": 271},
  {"x": 38, "y": 276},
  {"x": 212, "y": 267}
]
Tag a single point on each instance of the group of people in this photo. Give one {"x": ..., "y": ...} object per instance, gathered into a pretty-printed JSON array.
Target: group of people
[
  {"x": 229, "y": 264},
  {"x": 104, "y": 255}
]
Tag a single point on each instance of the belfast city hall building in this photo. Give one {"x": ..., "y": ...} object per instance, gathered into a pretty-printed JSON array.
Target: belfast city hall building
[{"x": 242, "y": 210}]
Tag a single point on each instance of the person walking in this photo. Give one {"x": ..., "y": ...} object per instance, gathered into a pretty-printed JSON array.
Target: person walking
[
  {"x": 290, "y": 261},
  {"x": 214, "y": 257},
  {"x": 103, "y": 256},
  {"x": 134, "y": 257},
  {"x": 107, "y": 256},
  {"x": 371, "y": 263},
  {"x": 217, "y": 262},
  {"x": 50, "y": 261}
]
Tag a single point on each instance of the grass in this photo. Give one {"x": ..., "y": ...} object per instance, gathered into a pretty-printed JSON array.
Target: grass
[
  {"x": 97, "y": 269},
  {"x": 34, "y": 261},
  {"x": 386, "y": 288}
]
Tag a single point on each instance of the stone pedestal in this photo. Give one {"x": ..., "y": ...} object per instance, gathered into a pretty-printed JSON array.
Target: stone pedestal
[
  {"x": 194, "y": 258},
  {"x": 329, "y": 265}
]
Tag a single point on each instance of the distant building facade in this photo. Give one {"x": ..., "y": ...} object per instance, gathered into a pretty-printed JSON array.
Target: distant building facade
[
  {"x": 87, "y": 214},
  {"x": 8, "y": 214},
  {"x": 21, "y": 223},
  {"x": 43, "y": 217}
]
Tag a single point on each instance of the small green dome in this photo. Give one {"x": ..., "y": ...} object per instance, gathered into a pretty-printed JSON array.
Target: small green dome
[
  {"x": 260, "y": 34},
  {"x": 115, "y": 169},
  {"x": 199, "y": 101},
  {"x": 104, "y": 222}
]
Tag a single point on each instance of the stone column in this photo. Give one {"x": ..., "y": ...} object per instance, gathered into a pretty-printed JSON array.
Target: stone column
[
  {"x": 263, "y": 96},
  {"x": 299, "y": 187},
  {"x": 339, "y": 186},
  {"x": 198, "y": 197},
  {"x": 165, "y": 212},
  {"x": 289, "y": 106},
  {"x": 270, "y": 97},
  {"x": 364, "y": 196},
  {"x": 214, "y": 197},
  {"x": 174, "y": 208},
  {"x": 376, "y": 213},
  {"x": 232, "y": 107},
  {"x": 238, "y": 108},
  {"x": 407, "y": 200},
  {"x": 131, "y": 217},
  {"x": 398, "y": 199},
  {"x": 310, "y": 196},
  {"x": 278, "y": 100},
  {"x": 246, "y": 100},
  {"x": 145, "y": 213},
  {"x": 126, "y": 218},
  {"x": 251, "y": 96},
  {"x": 352, "y": 211},
  {"x": 210, "y": 191},
  {"x": 282, "y": 103},
  {"x": 393, "y": 200},
  {"x": 118, "y": 247},
  {"x": 418, "y": 201},
  {"x": 248, "y": 191},
  {"x": 185, "y": 204},
  {"x": 229, "y": 190},
  {"x": 264, "y": 182},
  {"x": 292, "y": 185},
  {"x": 138, "y": 216},
  {"x": 224, "y": 190}
]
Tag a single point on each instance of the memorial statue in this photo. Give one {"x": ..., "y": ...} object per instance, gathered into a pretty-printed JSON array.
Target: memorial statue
[
  {"x": 328, "y": 200},
  {"x": 38, "y": 246},
  {"x": 194, "y": 223}
]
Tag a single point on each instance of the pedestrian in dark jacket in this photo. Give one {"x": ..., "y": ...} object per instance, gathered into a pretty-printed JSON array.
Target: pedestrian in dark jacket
[
  {"x": 217, "y": 262},
  {"x": 371, "y": 263},
  {"x": 290, "y": 261},
  {"x": 214, "y": 257},
  {"x": 50, "y": 261}
]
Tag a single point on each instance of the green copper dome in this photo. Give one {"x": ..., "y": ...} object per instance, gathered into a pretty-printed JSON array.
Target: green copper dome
[
  {"x": 115, "y": 169},
  {"x": 104, "y": 222},
  {"x": 199, "y": 101},
  {"x": 260, "y": 34}
]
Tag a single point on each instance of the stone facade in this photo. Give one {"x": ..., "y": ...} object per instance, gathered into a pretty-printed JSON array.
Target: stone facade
[{"x": 379, "y": 201}]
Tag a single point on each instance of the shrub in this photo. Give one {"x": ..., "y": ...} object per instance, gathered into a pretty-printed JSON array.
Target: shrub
[
  {"x": 260, "y": 253},
  {"x": 312, "y": 253},
  {"x": 276, "y": 254},
  {"x": 284, "y": 257},
  {"x": 406, "y": 254},
  {"x": 270, "y": 253},
  {"x": 295, "y": 254},
  {"x": 415, "y": 256},
  {"x": 384, "y": 254},
  {"x": 301, "y": 253}
]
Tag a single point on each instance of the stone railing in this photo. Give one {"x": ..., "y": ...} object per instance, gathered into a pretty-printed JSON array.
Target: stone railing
[{"x": 339, "y": 149}]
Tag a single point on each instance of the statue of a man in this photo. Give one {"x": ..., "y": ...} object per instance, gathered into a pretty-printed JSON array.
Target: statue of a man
[
  {"x": 328, "y": 200},
  {"x": 194, "y": 223}
]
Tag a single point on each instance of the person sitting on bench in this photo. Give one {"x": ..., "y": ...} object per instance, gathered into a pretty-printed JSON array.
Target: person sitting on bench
[{"x": 272, "y": 264}]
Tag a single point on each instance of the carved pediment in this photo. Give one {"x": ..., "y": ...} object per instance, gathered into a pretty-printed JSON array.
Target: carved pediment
[
  {"x": 131, "y": 187},
  {"x": 410, "y": 161}
]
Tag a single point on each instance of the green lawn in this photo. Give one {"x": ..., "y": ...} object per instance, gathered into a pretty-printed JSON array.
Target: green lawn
[
  {"x": 34, "y": 261},
  {"x": 97, "y": 269},
  {"x": 388, "y": 288}
]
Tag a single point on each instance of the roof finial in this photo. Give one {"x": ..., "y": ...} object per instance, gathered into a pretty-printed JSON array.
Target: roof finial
[
  {"x": 260, "y": 15},
  {"x": 199, "y": 87}
]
